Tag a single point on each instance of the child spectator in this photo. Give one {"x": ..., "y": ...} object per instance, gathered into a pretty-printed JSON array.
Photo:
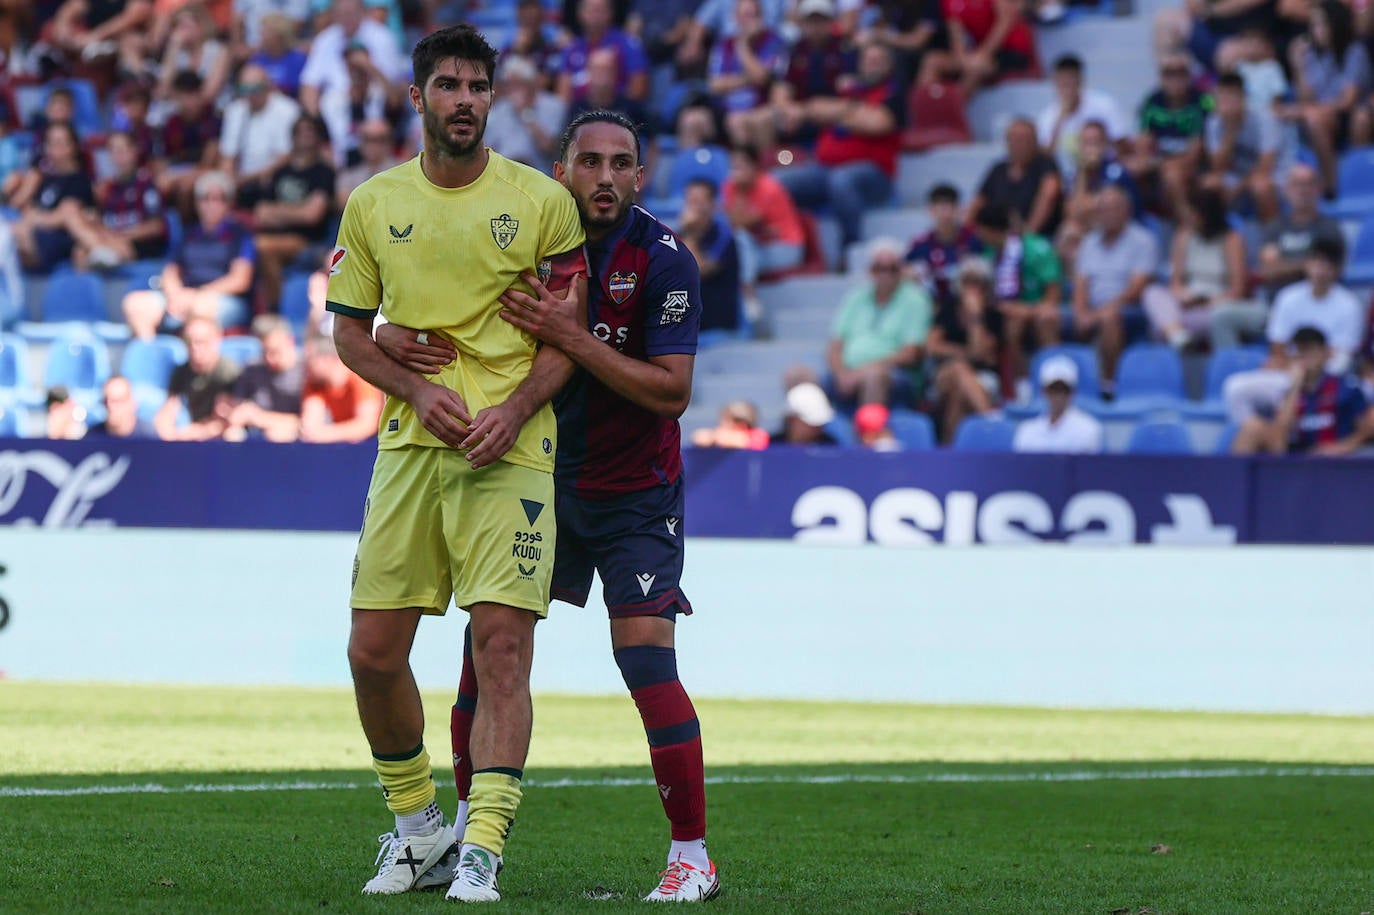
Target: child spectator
[{"x": 934, "y": 255}]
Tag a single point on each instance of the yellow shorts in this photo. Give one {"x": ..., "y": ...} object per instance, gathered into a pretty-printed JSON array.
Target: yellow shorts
[{"x": 434, "y": 529}]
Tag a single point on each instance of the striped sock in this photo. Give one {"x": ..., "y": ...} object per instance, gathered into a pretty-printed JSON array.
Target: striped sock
[{"x": 674, "y": 733}]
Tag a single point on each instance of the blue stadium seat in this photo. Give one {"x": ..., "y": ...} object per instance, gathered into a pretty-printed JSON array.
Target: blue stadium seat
[
  {"x": 1150, "y": 370},
  {"x": 243, "y": 350},
  {"x": 78, "y": 361},
  {"x": 14, "y": 368},
  {"x": 295, "y": 301},
  {"x": 1359, "y": 265},
  {"x": 11, "y": 423},
  {"x": 984, "y": 433},
  {"x": 1355, "y": 183},
  {"x": 914, "y": 430},
  {"x": 1228, "y": 435},
  {"x": 842, "y": 430},
  {"x": 1223, "y": 364},
  {"x": 73, "y": 296},
  {"x": 1160, "y": 438},
  {"x": 1085, "y": 357},
  {"x": 709, "y": 162},
  {"x": 150, "y": 362}
]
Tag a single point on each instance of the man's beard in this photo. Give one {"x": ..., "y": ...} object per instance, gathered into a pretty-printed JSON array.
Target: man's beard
[{"x": 436, "y": 131}]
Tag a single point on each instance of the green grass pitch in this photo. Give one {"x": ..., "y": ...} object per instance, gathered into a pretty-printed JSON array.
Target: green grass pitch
[{"x": 160, "y": 799}]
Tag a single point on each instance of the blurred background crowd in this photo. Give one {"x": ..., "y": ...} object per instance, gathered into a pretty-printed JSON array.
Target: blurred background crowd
[{"x": 987, "y": 224}]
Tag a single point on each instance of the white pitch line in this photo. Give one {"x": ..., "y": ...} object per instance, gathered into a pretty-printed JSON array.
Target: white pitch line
[{"x": 1076, "y": 775}]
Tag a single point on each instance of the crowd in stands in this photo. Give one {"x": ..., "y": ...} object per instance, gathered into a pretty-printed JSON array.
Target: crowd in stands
[{"x": 199, "y": 152}]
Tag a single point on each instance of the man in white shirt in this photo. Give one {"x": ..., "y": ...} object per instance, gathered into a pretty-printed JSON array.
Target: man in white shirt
[
  {"x": 326, "y": 70},
  {"x": 1058, "y": 125},
  {"x": 256, "y": 134},
  {"x": 1063, "y": 428},
  {"x": 1319, "y": 301}
]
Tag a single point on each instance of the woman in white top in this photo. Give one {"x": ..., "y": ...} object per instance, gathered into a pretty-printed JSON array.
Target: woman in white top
[
  {"x": 1207, "y": 267},
  {"x": 191, "y": 45}
]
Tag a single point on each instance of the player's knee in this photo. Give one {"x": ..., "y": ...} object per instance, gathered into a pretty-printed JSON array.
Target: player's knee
[
  {"x": 646, "y": 665},
  {"x": 501, "y": 660},
  {"x": 372, "y": 659}
]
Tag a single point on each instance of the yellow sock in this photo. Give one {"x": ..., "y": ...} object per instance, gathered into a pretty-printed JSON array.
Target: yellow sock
[
  {"x": 492, "y": 802},
  {"x": 407, "y": 780}
]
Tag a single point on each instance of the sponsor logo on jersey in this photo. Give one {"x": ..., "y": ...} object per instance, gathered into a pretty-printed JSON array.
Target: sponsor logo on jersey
[
  {"x": 532, "y": 508},
  {"x": 672, "y": 525},
  {"x": 401, "y": 236},
  {"x": 503, "y": 229},
  {"x": 668, "y": 240},
  {"x": 675, "y": 307},
  {"x": 526, "y": 572},
  {"x": 393, "y": 425},
  {"x": 622, "y": 285},
  {"x": 646, "y": 581},
  {"x": 340, "y": 252}
]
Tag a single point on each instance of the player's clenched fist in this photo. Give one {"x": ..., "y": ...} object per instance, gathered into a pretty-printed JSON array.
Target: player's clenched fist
[{"x": 442, "y": 412}]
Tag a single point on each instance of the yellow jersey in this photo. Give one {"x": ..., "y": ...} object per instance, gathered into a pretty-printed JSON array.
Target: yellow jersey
[{"x": 438, "y": 258}]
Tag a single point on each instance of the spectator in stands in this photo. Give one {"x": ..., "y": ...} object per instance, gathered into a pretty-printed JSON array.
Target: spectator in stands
[
  {"x": 1331, "y": 81},
  {"x": 92, "y": 30},
  {"x": 872, "y": 430},
  {"x": 266, "y": 399},
  {"x": 191, "y": 46},
  {"x": 1282, "y": 256},
  {"x": 66, "y": 418},
  {"x": 1095, "y": 166},
  {"x": 536, "y": 40},
  {"x": 1258, "y": 65},
  {"x": 814, "y": 67},
  {"x": 1059, "y": 124},
  {"x": 935, "y": 254},
  {"x": 132, "y": 105},
  {"x": 58, "y": 107},
  {"x": 294, "y": 210},
  {"x": 40, "y": 194},
  {"x": 877, "y": 341},
  {"x": 768, "y": 228},
  {"x": 988, "y": 39},
  {"x": 1026, "y": 182},
  {"x": 189, "y": 144},
  {"x": 256, "y": 135},
  {"x": 526, "y": 121},
  {"x": 856, "y": 150},
  {"x": 209, "y": 272},
  {"x": 275, "y": 51},
  {"x": 716, "y": 19},
  {"x": 370, "y": 97},
  {"x": 1027, "y": 281},
  {"x": 598, "y": 31},
  {"x": 1115, "y": 264},
  {"x": 378, "y": 155},
  {"x": 602, "y": 90},
  {"x": 965, "y": 343},
  {"x": 910, "y": 29},
  {"x": 741, "y": 68},
  {"x": 338, "y": 405},
  {"x": 808, "y": 414},
  {"x": 738, "y": 427},
  {"x": 121, "y": 413},
  {"x": 1324, "y": 412},
  {"x": 1168, "y": 150},
  {"x": 1063, "y": 428},
  {"x": 1319, "y": 301},
  {"x": 1207, "y": 269},
  {"x": 326, "y": 66},
  {"x": 1209, "y": 30},
  {"x": 1242, "y": 150},
  {"x": 129, "y": 224},
  {"x": 197, "y": 385},
  {"x": 706, "y": 232}
]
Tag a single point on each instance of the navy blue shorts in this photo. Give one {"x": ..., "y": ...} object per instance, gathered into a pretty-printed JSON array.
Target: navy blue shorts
[{"x": 633, "y": 541}]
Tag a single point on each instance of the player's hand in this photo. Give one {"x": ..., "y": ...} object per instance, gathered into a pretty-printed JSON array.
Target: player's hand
[
  {"x": 403, "y": 345},
  {"x": 442, "y": 411},
  {"x": 492, "y": 433},
  {"x": 553, "y": 320}
]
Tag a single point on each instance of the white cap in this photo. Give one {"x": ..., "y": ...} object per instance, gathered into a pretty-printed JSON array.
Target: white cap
[
  {"x": 808, "y": 403},
  {"x": 816, "y": 8},
  {"x": 1059, "y": 368}
]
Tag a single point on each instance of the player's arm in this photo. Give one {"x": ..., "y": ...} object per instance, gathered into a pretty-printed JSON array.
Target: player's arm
[{"x": 662, "y": 385}]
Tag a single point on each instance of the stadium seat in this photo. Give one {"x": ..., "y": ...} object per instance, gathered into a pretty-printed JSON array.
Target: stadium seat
[
  {"x": 914, "y": 430},
  {"x": 150, "y": 362},
  {"x": 243, "y": 350},
  {"x": 73, "y": 296},
  {"x": 1085, "y": 357},
  {"x": 1355, "y": 184},
  {"x": 1161, "y": 437},
  {"x": 1223, "y": 364},
  {"x": 14, "y": 368},
  {"x": 984, "y": 433},
  {"x": 1227, "y": 437},
  {"x": 903, "y": 224},
  {"x": 78, "y": 361},
  {"x": 295, "y": 301},
  {"x": 935, "y": 117},
  {"x": 1359, "y": 266},
  {"x": 709, "y": 162},
  {"x": 11, "y": 422},
  {"x": 1150, "y": 370},
  {"x": 991, "y": 110}
]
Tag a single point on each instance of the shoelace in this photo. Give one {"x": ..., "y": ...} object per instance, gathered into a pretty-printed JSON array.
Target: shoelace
[
  {"x": 476, "y": 874},
  {"x": 391, "y": 847},
  {"x": 674, "y": 876}
]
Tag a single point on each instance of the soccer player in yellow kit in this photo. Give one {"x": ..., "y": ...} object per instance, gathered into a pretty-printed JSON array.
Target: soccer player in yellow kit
[{"x": 461, "y": 501}]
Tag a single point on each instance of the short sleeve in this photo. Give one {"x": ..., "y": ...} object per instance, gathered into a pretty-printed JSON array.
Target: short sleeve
[
  {"x": 561, "y": 229},
  {"x": 839, "y": 327},
  {"x": 672, "y": 305},
  {"x": 1279, "y": 329},
  {"x": 355, "y": 286},
  {"x": 247, "y": 250}
]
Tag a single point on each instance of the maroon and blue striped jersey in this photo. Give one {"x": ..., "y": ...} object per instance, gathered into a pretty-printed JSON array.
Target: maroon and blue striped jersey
[{"x": 644, "y": 298}]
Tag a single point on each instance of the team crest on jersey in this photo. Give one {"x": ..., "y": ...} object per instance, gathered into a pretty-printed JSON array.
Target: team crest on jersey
[
  {"x": 503, "y": 229},
  {"x": 340, "y": 252},
  {"x": 622, "y": 285}
]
